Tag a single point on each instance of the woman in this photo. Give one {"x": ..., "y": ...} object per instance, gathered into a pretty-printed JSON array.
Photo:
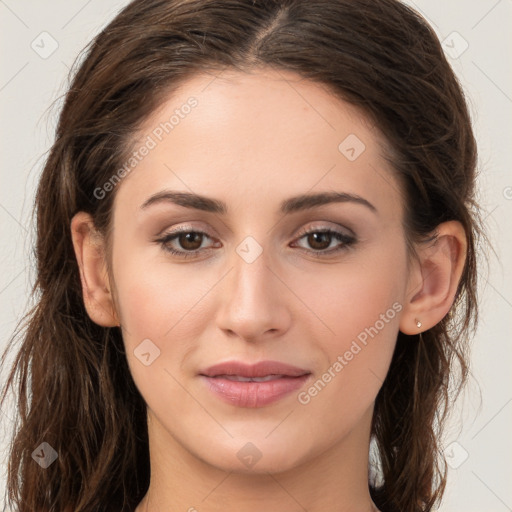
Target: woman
[{"x": 255, "y": 227}]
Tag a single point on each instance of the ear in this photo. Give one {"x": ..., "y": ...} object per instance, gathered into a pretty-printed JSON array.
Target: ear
[
  {"x": 89, "y": 251},
  {"x": 434, "y": 279}
]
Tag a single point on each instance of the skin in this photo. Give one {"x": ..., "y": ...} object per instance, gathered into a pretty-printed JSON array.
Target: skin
[{"x": 253, "y": 141}]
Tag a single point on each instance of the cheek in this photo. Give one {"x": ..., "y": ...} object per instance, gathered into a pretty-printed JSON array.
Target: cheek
[
  {"x": 157, "y": 299},
  {"x": 160, "y": 308},
  {"x": 354, "y": 297},
  {"x": 361, "y": 306}
]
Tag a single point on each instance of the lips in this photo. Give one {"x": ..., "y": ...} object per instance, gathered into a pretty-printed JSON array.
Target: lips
[
  {"x": 256, "y": 385},
  {"x": 239, "y": 378},
  {"x": 258, "y": 370}
]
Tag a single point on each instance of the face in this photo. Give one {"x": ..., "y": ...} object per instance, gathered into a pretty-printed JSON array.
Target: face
[{"x": 250, "y": 275}]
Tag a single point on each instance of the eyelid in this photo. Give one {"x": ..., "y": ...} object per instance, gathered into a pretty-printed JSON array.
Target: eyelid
[
  {"x": 326, "y": 225},
  {"x": 183, "y": 228},
  {"x": 321, "y": 226}
]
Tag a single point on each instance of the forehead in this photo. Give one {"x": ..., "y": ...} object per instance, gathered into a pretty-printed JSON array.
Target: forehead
[{"x": 258, "y": 138}]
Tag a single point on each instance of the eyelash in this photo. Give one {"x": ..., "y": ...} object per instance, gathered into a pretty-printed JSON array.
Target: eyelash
[{"x": 347, "y": 242}]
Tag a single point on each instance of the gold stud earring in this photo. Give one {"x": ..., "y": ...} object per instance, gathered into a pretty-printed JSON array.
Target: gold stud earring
[{"x": 418, "y": 323}]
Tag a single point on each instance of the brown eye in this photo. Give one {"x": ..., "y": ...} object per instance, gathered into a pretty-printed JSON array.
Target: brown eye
[
  {"x": 319, "y": 240},
  {"x": 184, "y": 243},
  {"x": 191, "y": 240}
]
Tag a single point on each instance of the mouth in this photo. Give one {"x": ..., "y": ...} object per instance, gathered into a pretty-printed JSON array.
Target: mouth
[
  {"x": 240, "y": 378},
  {"x": 257, "y": 385},
  {"x": 258, "y": 370}
]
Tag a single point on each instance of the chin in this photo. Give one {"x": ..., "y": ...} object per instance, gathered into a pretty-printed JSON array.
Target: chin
[{"x": 255, "y": 455}]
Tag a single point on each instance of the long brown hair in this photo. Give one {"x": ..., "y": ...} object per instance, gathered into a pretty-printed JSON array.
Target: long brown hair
[{"x": 74, "y": 388}]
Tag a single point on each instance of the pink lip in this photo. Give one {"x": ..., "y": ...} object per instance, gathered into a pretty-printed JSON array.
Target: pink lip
[
  {"x": 261, "y": 369},
  {"x": 253, "y": 394}
]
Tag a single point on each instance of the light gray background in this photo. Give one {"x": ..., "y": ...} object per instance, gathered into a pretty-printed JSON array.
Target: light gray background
[{"x": 481, "y": 459}]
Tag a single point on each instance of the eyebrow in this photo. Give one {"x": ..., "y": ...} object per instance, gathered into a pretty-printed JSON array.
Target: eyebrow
[{"x": 293, "y": 204}]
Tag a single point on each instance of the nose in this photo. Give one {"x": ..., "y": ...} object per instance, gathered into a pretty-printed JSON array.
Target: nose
[{"x": 253, "y": 302}]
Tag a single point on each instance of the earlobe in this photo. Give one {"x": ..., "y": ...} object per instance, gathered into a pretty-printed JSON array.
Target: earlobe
[
  {"x": 96, "y": 289},
  {"x": 434, "y": 280}
]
